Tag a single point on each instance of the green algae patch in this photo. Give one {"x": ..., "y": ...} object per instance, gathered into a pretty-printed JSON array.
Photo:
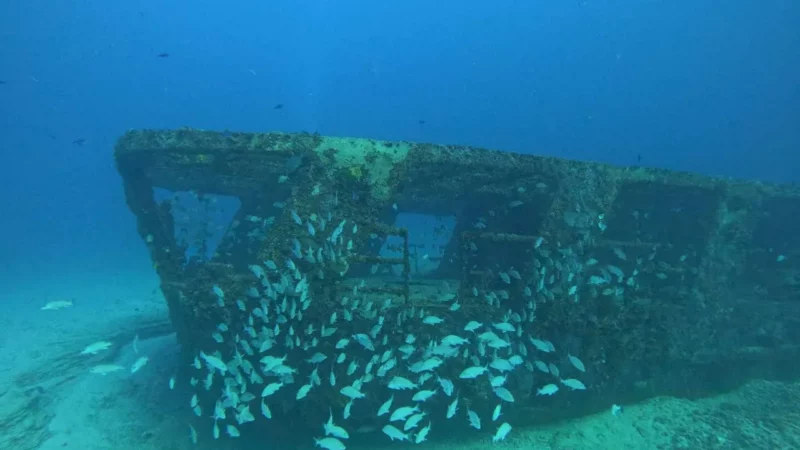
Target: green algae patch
[{"x": 365, "y": 160}]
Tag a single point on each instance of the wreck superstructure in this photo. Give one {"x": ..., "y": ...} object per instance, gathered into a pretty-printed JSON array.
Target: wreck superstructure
[{"x": 707, "y": 294}]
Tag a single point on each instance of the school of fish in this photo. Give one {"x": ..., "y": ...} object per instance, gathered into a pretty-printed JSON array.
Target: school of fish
[{"x": 409, "y": 367}]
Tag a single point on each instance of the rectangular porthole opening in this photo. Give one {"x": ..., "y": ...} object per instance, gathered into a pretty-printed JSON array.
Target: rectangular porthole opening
[
  {"x": 428, "y": 236},
  {"x": 200, "y": 221},
  {"x": 773, "y": 264}
]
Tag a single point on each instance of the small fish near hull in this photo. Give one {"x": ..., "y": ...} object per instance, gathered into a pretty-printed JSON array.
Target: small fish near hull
[
  {"x": 58, "y": 304},
  {"x": 95, "y": 348},
  {"x": 105, "y": 369}
]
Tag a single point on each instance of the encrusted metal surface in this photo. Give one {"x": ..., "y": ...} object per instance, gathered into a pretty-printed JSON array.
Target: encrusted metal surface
[{"x": 716, "y": 263}]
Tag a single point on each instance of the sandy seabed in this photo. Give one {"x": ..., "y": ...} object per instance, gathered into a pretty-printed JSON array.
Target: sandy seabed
[{"x": 49, "y": 399}]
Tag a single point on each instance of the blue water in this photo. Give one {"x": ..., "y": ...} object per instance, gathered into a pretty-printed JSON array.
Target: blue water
[{"x": 702, "y": 86}]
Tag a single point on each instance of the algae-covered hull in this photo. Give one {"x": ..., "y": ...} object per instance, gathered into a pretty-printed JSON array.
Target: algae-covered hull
[{"x": 657, "y": 282}]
